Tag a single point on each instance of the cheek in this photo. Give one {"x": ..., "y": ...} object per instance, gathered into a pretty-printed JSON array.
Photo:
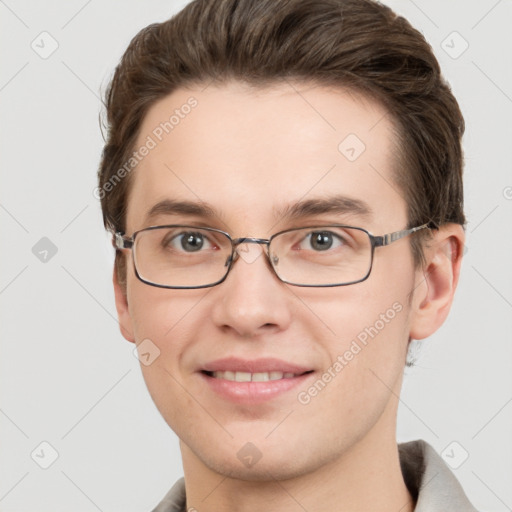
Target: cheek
[
  {"x": 158, "y": 313},
  {"x": 369, "y": 325},
  {"x": 163, "y": 322},
  {"x": 386, "y": 307},
  {"x": 369, "y": 335},
  {"x": 367, "y": 358},
  {"x": 165, "y": 325}
]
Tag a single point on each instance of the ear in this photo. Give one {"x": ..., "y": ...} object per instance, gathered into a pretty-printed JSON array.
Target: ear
[
  {"x": 437, "y": 280},
  {"x": 123, "y": 312}
]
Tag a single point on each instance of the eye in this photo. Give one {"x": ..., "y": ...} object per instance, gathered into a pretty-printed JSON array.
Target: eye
[
  {"x": 322, "y": 241},
  {"x": 189, "y": 241}
]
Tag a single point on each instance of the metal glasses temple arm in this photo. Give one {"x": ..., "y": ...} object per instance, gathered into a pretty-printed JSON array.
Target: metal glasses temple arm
[
  {"x": 120, "y": 242},
  {"x": 380, "y": 241}
]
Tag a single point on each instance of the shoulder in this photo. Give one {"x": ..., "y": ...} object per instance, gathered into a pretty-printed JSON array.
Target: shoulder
[
  {"x": 174, "y": 500},
  {"x": 429, "y": 479}
]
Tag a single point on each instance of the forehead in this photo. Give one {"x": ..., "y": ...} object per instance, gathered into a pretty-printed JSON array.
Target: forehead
[{"x": 249, "y": 154}]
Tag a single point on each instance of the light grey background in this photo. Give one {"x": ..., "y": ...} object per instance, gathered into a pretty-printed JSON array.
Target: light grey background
[{"x": 69, "y": 379}]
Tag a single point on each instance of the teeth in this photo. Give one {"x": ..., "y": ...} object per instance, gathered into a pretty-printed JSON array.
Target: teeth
[
  {"x": 254, "y": 377},
  {"x": 242, "y": 377},
  {"x": 260, "y": 377}
]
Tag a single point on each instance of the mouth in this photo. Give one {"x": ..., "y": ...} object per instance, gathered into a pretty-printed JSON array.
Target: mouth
[
  {"x": 253, "y": 381},
  {"x": 241, "y": 376}
]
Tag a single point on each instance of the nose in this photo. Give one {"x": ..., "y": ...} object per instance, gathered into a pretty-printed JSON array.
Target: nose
[{"x": 252, "y": 300}]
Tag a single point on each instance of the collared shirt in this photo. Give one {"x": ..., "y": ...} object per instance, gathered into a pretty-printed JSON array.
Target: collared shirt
[{"x": 429, "y": 480}]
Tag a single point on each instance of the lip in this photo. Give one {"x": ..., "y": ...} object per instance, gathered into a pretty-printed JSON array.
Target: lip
[
  {"x": 253, "y": 392},
  {"x": 267, "y": 364}
]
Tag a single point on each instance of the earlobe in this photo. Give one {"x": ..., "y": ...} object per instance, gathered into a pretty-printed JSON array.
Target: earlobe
[
  {"x": 433, "y": 298},
  {"x": 123, "y": 313}
]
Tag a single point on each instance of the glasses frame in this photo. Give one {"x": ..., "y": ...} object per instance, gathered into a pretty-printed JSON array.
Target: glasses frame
[{"x": 122, "y": 242}]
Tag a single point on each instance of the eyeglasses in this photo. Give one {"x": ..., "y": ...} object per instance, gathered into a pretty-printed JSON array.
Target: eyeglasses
[{"x": 180, "y": 256}]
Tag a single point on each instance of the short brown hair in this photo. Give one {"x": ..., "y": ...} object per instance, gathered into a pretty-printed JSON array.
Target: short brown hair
[{"x": 355, "y": 44}]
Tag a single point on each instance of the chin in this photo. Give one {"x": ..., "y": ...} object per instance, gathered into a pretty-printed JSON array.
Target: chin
[
  {"x": 262, "y": 471},
  {"x": 265, "y": 462}
]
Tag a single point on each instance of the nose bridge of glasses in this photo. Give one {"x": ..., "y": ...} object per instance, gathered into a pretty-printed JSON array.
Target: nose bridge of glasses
[{"x": 245, "y": 247}]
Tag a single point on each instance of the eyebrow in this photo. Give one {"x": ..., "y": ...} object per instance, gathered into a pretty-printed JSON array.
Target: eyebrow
[
  {"x": 174, "y": 207},
  {"x": 338, "y": 204}
]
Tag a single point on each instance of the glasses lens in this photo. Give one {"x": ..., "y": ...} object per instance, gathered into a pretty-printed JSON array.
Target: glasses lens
[
  {"x": 181, "y": 256},
  {"x": 321, "y": 256}
]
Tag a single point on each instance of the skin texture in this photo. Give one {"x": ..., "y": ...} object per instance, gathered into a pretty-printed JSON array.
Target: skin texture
[{"x": 247, "y": 152}]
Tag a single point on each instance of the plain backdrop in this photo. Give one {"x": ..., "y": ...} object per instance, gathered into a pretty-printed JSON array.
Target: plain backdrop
[{"x": 68, "y": 378}]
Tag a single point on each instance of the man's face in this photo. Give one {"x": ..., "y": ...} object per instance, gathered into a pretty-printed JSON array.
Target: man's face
[{"x": 249, "y": 154}]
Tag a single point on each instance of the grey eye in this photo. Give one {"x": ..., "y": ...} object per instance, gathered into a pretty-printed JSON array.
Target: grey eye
[
  {"x": 192, "y": 242},
  {"x": 321, "y": 240},
  {"x": 186, "y": 242}
]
